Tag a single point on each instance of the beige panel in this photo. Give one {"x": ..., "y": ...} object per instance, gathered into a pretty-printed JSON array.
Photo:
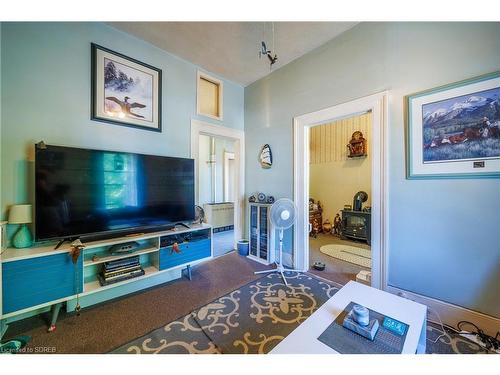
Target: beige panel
[
  {"x": 328, "y": 142},
  {"x": 313, "y": 144},
  {"x": 322, "y": 144},
  {"x": 208, "y": 97}
]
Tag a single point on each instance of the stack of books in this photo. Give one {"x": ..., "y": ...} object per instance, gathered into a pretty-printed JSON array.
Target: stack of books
[{"x": 119, "y": 270}]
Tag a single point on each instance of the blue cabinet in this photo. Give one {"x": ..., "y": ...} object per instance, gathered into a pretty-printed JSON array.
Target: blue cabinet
[
  {"x": 34, "y": 281},
  {"x": 187, "y": 252}
]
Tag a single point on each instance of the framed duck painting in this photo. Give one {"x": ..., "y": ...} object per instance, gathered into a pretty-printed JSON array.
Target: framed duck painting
[{"x": 125, "y": 91}]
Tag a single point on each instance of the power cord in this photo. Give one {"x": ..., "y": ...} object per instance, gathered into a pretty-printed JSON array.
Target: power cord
[
  {"x": 443, "y": 330},
  {"x": 490, "y": 342}
]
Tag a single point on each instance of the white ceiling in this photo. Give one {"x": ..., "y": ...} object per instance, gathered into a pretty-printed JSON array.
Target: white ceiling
[{"x": 231, "y": 49}]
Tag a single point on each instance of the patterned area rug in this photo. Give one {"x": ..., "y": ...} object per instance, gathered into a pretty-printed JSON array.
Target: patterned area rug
[
  {"x": 252, "y": 319},
  {"x": 351, "y": 254},
  {"x": 256, "y": 317}
]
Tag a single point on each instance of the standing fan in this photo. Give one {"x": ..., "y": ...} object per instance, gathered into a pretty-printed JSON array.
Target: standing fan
[{"x": 282, "y": 217}]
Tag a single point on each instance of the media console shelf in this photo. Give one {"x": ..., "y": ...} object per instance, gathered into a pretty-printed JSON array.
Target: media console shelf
[{"x": 34, "y": 279}]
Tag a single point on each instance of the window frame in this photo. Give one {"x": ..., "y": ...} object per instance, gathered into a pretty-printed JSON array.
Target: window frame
[{"x": 202, "y": 75}]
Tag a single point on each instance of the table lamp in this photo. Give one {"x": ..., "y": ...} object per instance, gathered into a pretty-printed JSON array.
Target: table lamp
[{"x": 21, "y": 214}]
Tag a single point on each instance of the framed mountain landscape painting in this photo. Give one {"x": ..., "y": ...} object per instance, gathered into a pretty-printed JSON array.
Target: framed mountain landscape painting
[
  {"x": 125, "y": 91},
  {"x": 453, "y": 131}
]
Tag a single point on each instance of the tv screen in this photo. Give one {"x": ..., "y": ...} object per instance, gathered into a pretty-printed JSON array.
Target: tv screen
[{"x": 95, "y": 194}]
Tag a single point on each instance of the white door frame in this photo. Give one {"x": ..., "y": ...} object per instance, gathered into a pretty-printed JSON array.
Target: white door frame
[
  {"x": 228, "y": 155},
  {"x": 238, "y": 136},
  {"x": 377, "y": 104}
]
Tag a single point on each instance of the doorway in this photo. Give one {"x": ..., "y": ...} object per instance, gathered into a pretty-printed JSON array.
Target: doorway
[
  {"x": 376, "y": 106},
  {"x": 219, "y": 174},
  {"x": 216, "y": 183},
  {"x": 340, "y": 199}
]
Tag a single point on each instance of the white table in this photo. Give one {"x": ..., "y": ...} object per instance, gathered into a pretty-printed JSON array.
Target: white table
[{"x": 304, "y": 339}]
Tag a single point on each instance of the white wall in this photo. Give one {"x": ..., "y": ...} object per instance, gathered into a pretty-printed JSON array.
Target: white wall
[{"x": 444, "y": 234}]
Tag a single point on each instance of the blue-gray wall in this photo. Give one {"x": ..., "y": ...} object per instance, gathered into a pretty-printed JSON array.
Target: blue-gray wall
[
  {"x": 444, "y": 237},
  {"x": 45, "y": 94}
]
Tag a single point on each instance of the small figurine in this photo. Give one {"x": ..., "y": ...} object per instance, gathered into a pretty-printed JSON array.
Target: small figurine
[
  {"x": 327, "y": 226},
  {"x": 175, "y": 248},
  {"x": 76, "y": 248},
  {"x": 311, "y": 202},
  {"x": 337, "y": 222},
  {"x": 357, "y": 145},
  {"x": 315, "y": 228}
]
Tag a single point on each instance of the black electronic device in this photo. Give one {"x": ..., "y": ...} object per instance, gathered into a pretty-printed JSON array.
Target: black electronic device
[
  {"x": 124, "y": 248},
  {"x": 95, "y": 194},
  {"x": 319, "y": 266},
  {"x": 120, "y": 270}
]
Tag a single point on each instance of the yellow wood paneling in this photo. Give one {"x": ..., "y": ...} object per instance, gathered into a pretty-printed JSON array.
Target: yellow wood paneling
[
  {"x": 208, "y": 97},
  {"x": 328, "y": 142}
]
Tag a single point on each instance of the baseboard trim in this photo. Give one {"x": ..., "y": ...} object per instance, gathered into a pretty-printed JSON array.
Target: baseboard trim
[{"x": 451, "y": 314}]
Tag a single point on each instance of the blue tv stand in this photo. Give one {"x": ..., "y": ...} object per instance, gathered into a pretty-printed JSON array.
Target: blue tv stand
[{"x": 41, "y": 278}]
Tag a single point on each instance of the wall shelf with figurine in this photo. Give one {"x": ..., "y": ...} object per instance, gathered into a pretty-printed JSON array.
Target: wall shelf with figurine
[{"x": 356, "y": 148}]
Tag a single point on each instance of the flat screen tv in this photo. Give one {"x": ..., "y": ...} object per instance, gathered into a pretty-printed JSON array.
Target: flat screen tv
[{"x": 94, "y": 194}]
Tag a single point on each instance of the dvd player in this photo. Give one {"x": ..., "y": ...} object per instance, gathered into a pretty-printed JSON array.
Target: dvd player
[{"x": 124, "y": 248}]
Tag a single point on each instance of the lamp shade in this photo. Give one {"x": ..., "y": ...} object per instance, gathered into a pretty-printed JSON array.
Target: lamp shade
[{"x": 20, "y": 214}]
